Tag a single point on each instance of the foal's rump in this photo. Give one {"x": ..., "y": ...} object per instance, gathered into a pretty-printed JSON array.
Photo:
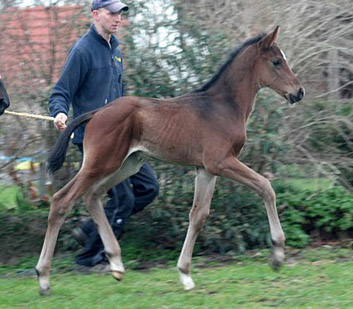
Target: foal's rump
[{"x": 100, "y": 130}]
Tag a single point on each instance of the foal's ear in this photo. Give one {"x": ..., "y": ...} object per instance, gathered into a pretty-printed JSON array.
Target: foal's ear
[{"x": 268, "y": 41}]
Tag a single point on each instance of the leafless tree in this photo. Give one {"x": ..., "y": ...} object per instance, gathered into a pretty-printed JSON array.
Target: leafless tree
[{"x": 317, "y": 37}]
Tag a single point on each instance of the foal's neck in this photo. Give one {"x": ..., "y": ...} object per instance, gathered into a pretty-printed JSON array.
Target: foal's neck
[{"x": 239, "y": 85}]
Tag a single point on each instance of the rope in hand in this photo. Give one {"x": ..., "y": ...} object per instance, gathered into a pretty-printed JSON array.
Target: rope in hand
[
  {"x": 48, "y": 118},
  {"x": 30, "y": 115}
]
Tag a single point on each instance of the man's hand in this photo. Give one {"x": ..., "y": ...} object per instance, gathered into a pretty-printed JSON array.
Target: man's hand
[{"x": 60, "y": 121}]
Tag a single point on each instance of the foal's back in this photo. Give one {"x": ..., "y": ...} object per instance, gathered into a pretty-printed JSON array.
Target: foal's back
[{"x": 180, "y": 130}]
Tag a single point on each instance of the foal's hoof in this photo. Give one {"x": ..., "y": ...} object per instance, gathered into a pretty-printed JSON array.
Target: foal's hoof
[
  {"x": 118, "y": 275},
  {"x": 187, "y": 282},
  {"x": 45, "y": 292},
  {"x": 276, "y": 265}
]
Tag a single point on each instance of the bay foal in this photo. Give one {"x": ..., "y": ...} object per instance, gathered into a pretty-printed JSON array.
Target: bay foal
[{"x": 205, "y": 129}]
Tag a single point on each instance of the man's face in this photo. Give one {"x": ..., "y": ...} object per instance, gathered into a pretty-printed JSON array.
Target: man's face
[{"x": 108, "y": 21}]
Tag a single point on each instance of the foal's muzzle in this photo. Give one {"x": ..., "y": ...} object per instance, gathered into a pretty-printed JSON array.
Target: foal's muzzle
[{"x": 294, "y": 98}]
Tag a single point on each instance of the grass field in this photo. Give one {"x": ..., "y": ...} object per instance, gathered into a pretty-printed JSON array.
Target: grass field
[
  {"x": 320, "y": 278},
  {"x": 8, "y": 197},
  {"x": 312, "y": 279}
]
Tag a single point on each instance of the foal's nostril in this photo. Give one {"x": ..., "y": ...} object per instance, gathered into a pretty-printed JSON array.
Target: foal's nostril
[
  {"x": 294, "y": 98},
  {"x": 301, "y": 93}
]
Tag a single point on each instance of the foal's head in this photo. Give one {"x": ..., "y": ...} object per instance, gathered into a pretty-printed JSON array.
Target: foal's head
[
  {"x": 273, "y": 71},
  {"x": 4, "y": 99}
]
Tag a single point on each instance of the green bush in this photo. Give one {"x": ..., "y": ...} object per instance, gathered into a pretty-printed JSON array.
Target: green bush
[
  {"x": 326, "y": 212},
  {"x": 238, "y": 219}
]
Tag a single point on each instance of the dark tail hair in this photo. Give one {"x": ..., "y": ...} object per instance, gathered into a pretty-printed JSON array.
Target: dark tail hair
[{"x": 57, "y": 156}]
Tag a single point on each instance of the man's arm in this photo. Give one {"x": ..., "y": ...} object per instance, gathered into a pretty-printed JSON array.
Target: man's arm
[{"x": 69, "y": 82}]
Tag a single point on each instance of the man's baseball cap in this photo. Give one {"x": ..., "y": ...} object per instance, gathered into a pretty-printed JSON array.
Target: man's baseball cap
[{"x": 113, "y": 6}]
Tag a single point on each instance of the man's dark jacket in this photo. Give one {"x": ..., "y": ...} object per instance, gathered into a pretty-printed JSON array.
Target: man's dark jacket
[{"x": 91, "y": 78}]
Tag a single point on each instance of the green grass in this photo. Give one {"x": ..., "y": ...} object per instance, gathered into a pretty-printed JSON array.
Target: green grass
[
  {"x": 318, "y": 279},
  {"x": 8, "y": 197}
]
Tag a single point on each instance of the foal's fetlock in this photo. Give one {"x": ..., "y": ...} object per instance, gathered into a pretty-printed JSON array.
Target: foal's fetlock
[
  {"x": 44, "y": 288},
  {"x": 116, "y": 265},
  {"x": 278, "y": 256}
]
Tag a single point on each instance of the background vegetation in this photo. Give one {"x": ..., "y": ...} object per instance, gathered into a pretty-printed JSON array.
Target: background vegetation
[{"x": 170, "y": 48}]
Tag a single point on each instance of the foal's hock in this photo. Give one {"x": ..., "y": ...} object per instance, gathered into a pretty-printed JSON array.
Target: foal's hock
[{"x": 205, "y": 129}]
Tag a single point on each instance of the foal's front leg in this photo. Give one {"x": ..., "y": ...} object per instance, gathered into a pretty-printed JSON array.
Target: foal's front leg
[
  {"x": 232, "y": 168},
  {"x": 204, "y": 187}
]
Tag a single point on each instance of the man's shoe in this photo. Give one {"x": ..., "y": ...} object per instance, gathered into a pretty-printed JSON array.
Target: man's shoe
[{"x": 80, "y": 236}]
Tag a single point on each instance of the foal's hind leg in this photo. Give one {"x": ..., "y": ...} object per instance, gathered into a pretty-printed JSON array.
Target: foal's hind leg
[
  {"x": 204, "y": 187},
  {"x": 94, "y": 205},
  {"x": 93, "y": 201},
  {"x": 232, "y": 168},
  {"x": 61, "y": 205}
]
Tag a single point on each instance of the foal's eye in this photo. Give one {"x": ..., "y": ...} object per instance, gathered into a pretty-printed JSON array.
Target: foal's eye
[{"x": 276, "y": 63}]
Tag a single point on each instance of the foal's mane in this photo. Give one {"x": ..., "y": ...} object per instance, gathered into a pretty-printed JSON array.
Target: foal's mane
[{"x": 231, "y": 57}]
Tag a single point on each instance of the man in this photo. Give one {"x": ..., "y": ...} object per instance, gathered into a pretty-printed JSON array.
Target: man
[
  {"x": 91, "y": 78},
  {"x": 4, "y": 98}
]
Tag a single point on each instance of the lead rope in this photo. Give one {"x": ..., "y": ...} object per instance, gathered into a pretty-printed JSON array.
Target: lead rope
[
  {"x": 48, "y": 118},
  {"x": 30, "y": 115}
]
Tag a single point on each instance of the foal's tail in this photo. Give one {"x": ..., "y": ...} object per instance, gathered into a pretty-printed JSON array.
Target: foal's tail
[{"x": 57, "y": 156}]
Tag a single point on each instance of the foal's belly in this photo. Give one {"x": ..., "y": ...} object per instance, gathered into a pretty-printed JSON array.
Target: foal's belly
[{"x": 171, "y": 154}]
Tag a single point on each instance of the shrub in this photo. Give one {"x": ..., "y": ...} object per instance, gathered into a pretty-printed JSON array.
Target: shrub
[
  {"x": 324, "y": 213},
  {"x": 238, "y": 219}
]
